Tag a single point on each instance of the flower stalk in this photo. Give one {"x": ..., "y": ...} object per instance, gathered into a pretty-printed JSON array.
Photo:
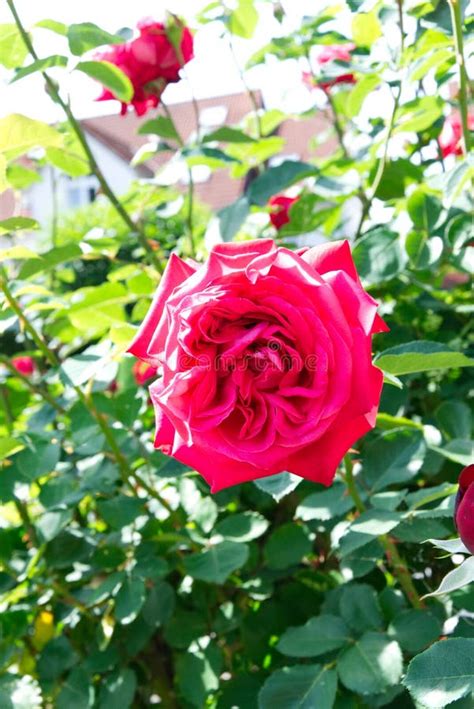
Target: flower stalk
[
  {"x": 397, "y": 564},
  {"x": 457, "y": 24}
]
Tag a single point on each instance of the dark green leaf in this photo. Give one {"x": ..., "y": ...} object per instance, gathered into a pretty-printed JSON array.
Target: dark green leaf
[
  {"x": 443, "y": 673},
  {"x": 318, "y": 636},
  {"x": 299, "y": 687}
]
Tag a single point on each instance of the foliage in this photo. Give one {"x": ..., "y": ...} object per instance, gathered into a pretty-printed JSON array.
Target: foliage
[{"x": 122, "y": 579}]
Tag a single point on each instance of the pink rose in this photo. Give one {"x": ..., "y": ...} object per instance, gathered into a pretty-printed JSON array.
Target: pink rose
[
  {"x": 265, "y": 361},
  {"x": 451, "y": 134},
  {"x": 280, "y": 214},
  {"x": 24, "y": 365},
  {"x": 151, "y": 61}
]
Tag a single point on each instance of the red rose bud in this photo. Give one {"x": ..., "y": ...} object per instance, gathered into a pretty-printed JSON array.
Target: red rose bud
[
  {"x": 151, "y": 61},
  {"x": 336, "y": 52},
  {"x": 280, "y": 206},
  {"x": 464, "y": 508},
  {"x": 24, "y": 365},
  {"x": 451, "y": 134},
  {"x": 142, "y": 372}
]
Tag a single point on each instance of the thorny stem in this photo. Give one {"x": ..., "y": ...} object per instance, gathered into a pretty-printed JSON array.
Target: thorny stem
[
  {"x": 396, "y": 563},
  {"x": 383, "y": 160},
  {"x": 456, "y": 20},
  {"x": 190, "y": 215},
  {"x": 251, "y": 94},
  {"x": 121, "y": 460},
  {"x": 107, "y": 190},
  {"x": 35, "y": 336}
]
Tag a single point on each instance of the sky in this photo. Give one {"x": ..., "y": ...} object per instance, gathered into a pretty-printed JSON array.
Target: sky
[{"x": 212, "y": 72}]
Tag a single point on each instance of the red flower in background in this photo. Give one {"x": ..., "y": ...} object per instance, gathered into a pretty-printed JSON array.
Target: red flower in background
[
  {"x": 331, "y": 53},
  {"x": 280, "y": 214},
  {"x": 142, "y": 372},
  {"x": 24, "y": 365},
  {"x": 464, "y": 508},
  {"x": 450, "y": 136},
  {"x": 151, "y": 61}
]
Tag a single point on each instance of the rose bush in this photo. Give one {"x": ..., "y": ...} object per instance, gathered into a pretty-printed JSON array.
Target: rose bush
[
  {"x": 123, "y": 581},
  {"x": 265, "y": 356}
]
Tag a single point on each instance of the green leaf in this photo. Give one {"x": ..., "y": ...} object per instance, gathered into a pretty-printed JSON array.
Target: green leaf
[
  {"x": 9, "y": 446},
  {"x": 278, "y": 178},
  {"x": 129, "y": 600},
  {"x": 87, "y": 35},
  {"x": 372, "y": 665},
  {"x": 379, "y": 256},
  {"x": 232, "y": 217},
  {"x": 443, "y": 673},
  {"x": 299, "y": 687},
  {"x": 162, "y": 126},
  {"x": 217, "y": 563},
  {"x": 77, "y": 691},
  {"x": 118, "y": 689},
  {"x": 318, "y": 636},
  {"x": 376, "y": 522},
  {"x": 242, "y": 527},
  {"x": 19, "y": 253},
  {"x": 19, "y": 134},
  {"x": 418, "y": 115},
  {"x": 243, "y": 20},
  {"x": 458, "y": 451},
  {"x": 424, "y": 209},
  {"x": 459, "y": 577},
  {"x": 50, "y": 259},
  {"x": 36, "y": 459},
  {"x": 110, "y": 76},
  {"x": 13, "y": 51},
  {"x": 278, "y": 486},
  {"x": 414, "y": 629},
  {"x": 326, "y": 505},
  {"x": 15, "y": 224},
  {"x": 227, "y": 134},
  {"x": 359, "y": 93},
  {"x": 198, "y": 673},
  {"x": 359, "y": 607},
  {"x": 287, "y": 545},
  {"x": 420, "y": 356},
  {"x": 454, "y": 419},
  {"x": 57, "y": 657},
  {"x": 366, "y": 28},
  {"x": 54, "y": 26},
  {"x": 120, "y": 511},
  {"x": 394, "y": 457},
  {"x": 452, "y": 546},
  {"x": 40, "y": 65}
]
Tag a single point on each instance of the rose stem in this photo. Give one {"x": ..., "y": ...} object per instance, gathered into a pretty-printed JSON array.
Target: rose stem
[{"x": 396, "y": 563}]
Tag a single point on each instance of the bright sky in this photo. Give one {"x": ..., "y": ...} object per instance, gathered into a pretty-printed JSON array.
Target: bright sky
[{"x": 212, "y": 72}]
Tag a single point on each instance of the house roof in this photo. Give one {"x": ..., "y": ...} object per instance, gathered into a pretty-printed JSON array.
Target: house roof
[{"x": 120, "y": 134}]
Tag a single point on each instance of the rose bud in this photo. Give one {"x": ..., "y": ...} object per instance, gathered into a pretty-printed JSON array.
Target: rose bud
[
  {"x": 280, "y": 210},
  {"x": 451, "y": 134},
  {"x": 142, "y": 372},
  {"x": 151, "y": 61},
  {"x": 24, "y": 365},
  {"x": 264, "y": 357},
  {"x": 464, "y": 508},
  {"x": 336, "y": 52}
]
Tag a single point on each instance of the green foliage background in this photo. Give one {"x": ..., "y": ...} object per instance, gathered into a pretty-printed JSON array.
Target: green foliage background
[{"x": 122, "y": 580}]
